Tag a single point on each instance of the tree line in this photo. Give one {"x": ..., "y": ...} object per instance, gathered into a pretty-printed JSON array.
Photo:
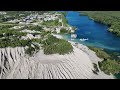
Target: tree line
[{"x": 110, "y": 18}]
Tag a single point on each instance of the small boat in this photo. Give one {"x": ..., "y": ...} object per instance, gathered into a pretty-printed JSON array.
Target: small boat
[{"x": 83, "y": 39}]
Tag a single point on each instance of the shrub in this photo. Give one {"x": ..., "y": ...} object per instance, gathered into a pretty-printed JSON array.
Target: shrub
[
  {"x": 36, "y": 28},
  {"x": 100, "y": 52},
  {"x": 96, "y": 70},
  {"x": 54, "y": 45},
  {"x": 110, "y": 66},
  {"x": 63, "y": 30},
  {"x": 52, "y": 23}
]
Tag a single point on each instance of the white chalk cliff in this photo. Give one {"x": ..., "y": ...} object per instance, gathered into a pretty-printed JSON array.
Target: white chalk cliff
[{"x": 14, "y": 64}]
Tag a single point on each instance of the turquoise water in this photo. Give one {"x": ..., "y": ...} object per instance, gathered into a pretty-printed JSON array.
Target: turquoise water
[{"x": 96, "y": 33}]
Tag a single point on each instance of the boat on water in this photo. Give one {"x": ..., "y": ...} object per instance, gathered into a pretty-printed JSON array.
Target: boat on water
[{"x": 83, "y": 39}]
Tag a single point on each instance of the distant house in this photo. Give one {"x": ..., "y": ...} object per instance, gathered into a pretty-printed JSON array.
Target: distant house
[
  {"x": 2, "y": 12},
  {"x": 14, "y": 21},
  {"x": 22, "y": 23}
]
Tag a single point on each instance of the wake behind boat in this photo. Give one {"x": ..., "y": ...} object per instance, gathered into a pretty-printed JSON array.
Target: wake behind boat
[{"x": 83, "y": 39}]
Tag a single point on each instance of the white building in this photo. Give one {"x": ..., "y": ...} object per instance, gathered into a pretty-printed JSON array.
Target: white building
[
  {"x": 23, "y": 23},
  {"x": 2, "y": 12}
]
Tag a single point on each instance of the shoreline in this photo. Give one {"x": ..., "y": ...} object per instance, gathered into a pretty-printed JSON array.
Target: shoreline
[
  {"x": 111, "y": 30},
  {"x": 75, "y": 65},
  {"x": 78, "y": 64},
  {"x": 92, "y": 56}
]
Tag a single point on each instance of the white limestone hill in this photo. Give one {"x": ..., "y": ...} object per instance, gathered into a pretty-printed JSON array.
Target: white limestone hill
[{"x": 15, "y": 64}]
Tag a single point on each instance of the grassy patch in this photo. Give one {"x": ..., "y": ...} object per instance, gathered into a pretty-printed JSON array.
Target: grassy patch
[
  {"x": 62, "y": 31},
  {"x": 100, "y": 52},
  {"x": 52, "y": 23},
  {"x": 110, "y": 66},
  {"x": 54, "y": 45}
]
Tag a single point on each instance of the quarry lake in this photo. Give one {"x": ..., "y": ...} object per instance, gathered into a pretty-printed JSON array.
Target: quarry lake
[{"x": 96, "y": 34}]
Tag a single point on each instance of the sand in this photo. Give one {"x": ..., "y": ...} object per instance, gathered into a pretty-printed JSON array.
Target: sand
[{"x": 15, "y": 64}]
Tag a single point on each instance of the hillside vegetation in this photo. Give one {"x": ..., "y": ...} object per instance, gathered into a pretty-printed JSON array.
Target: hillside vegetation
[
  {"x": 34, "y": 37},
  {"x": 109, "y": 64},
  {"x": 54, "y": 45}
]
